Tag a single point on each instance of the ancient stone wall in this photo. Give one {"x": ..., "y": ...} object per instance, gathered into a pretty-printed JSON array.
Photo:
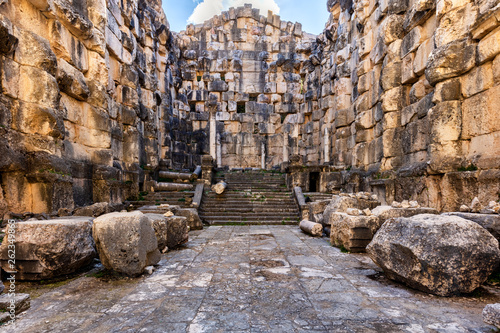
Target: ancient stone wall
[
  {"x": 86, "y": 87},
  {"x": 248, "y": 67},
  {"x": 408, "y": 100}
]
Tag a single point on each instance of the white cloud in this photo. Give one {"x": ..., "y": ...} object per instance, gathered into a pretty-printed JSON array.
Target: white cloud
[{"x": 208, "y": 8}]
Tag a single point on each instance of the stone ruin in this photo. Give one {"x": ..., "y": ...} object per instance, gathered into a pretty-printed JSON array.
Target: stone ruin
[{"x": 399, "y": 99}]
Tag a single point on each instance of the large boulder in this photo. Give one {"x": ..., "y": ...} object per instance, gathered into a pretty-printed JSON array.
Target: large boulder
[
  {"x": 177, "y": 231},
  {"x": 126, "y": 242},
  {"x": 47, "y": 249},
  {"x": 442, "y": 255},
  {"x": 192, "y": 218},
  {"x": 161, "y": 230}
]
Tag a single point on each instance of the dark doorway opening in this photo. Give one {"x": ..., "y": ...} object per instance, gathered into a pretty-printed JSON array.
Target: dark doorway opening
[{"x": 314, "y": 182}]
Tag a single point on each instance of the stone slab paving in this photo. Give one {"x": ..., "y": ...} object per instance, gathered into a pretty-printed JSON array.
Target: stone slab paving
[{"x": 253, "y": 279}]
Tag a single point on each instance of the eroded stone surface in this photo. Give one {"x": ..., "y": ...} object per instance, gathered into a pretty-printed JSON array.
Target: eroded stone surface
[{"x": 253, "y": 279}]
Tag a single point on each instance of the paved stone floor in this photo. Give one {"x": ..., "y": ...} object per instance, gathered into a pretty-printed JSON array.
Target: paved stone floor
[{"x": 253, "y": 279}]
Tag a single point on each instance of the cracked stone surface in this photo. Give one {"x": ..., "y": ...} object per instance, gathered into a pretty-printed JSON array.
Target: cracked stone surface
[{"x": 253, "y": 279}]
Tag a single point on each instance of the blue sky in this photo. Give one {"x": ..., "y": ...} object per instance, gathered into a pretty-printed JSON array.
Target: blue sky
[{"x": 312, "y": 13}]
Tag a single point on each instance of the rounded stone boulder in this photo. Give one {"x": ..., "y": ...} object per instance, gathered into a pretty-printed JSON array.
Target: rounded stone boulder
[
  {"x": 442, "y": 255},
  {"x": 126, "y": 242}
]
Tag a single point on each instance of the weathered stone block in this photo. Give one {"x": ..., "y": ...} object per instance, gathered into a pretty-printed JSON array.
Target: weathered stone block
[
  {"x": 47, "y": 249},
  {"x": 33, "y": 50},
  {"x": 353, "y": 233},
  {"x": 455, "y": 24},
  {"x": 434, "y": 251},
  {"x": 450, "y": 60},
  {"x": 477, "y": 80},
  {"x": 422, "y": 55},
  {"x": 480, "y": 114},
  {"x": 67, "y": 47},
  {"x": 446, "y": 122},
  {"x": 412, "y": 40},
  {"x": 38, "y": 86},
  {"x": 177, "y": 231},
  {"x": 448, "y": 90},
  {"x": 71, "y": 81},
  {"x": 192, "y": 218},
  {"x": 10, "y": 71},
  {"x": 161, "y": 230},
  {"x": 31, "y": 118},
  {"x": 391, "y": 76},
  {"x": 126, "y": 242},
  {"x": 489, "y": 46}
]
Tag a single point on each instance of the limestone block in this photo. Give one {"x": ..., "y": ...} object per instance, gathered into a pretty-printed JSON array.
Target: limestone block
[
  {"x": 38, "y": 86},
  {"x": 422, "y": 55},
  {"x": 392, "y": 142},
  {"x": 450, "y": 60},
  {"x": 67, "y": 47},
  {"x": 160, "y": 227},
  {"x": 10, "y": 77},
  {"x": 435, "y": 248},
  {"x": 35, "y": 119},
  {"x": 455, "y": 24},
  {"x": 391, "y": 75},
  {"x": 33, "y": 50},
  {"x": 353, "y": 233},
  {"x": 415, "y": 137},
  {"x": 126, "y": 242},
  {"x": 51, "y": 248},
  {"x": 444, "y": 6},
  {"x": 477, "y": 80},
  {"x": 97, "y": 67},
  {"x": 391, "y": 28},
  {"x": 97, "y": 13},
  {"x": 407, "y": 74},
  {"x": 412, "y": 40},
  {"x": 446, "y": 121},
  {"x": 392, "y": 100},
  {"x": 71, "y": 81},
  {"x": 392, "y": 120},
  {"x": 445, "y": 157},
  {"x": 177, "y": 231},
  {"x": 73, "y": 17},
  {"x": 480, "y": 114},
  {"x": 448, "y": 90},
  {"x": 192, "y": 218}
]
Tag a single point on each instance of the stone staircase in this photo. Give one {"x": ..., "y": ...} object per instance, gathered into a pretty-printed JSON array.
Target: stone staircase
[
  {"x": 318, "y": 196},
  {"x": 252, "y": 197},
  {"x": 182, "y": 199}
]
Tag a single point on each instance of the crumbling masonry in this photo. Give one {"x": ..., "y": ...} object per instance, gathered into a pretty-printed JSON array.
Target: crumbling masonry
[{"x": 399, "y": 98}]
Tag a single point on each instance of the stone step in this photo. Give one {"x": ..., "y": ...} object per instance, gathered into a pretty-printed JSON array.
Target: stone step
[{"x": 253, "y": 222}]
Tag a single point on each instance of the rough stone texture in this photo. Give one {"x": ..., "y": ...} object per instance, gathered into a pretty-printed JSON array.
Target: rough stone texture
[
  {"x": 491, "y": 314},
  {"x": 108, "y": 88},
  {"x": 387, "y": 212},
  {"x": 442, "y": 255},
  {"x": 353, "y": 233},
  {"x": 177, "y": 231},
  {"x": 192, "y": 218},
  {"x": 22, "y": 302},
  {"x": 47, "y": 249},
  {"x": 159, "y": 222},
  {"x": 490, "y": 222},
  {"x": 126, "y": 242},
  {"x": 254, "y": 279}
]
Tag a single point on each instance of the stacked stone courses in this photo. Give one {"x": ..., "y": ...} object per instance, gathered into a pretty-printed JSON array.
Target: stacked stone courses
[{"x": 397, "y": 98}]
